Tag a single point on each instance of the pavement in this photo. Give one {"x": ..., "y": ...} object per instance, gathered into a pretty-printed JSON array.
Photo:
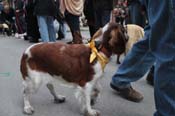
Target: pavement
[{"x": 109, "y": 104}]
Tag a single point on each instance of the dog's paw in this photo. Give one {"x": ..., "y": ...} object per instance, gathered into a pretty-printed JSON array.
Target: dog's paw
[
  {"x": 93, "y": 102},
  {"x": 60, "y": 99},
  {"x": 92, "y": 113},
  {"x": 29, "y": 110}
]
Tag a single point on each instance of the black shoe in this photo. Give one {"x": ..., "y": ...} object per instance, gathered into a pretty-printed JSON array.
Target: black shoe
[
  {"x": 32, "y": 40},
  {"x": 150, "y": 79},
  {"x": 128, "y": 93},
  {"x": 26, "y": 37},
  {"x": 70, "y": 42},
  {"x": 150, "y": 76}
]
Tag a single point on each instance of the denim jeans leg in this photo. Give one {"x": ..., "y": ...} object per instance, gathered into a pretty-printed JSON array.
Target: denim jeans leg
[
  {"x": 164, "y": 87},
  {"x": 137, "y": 62},
  {"x": 51, "y": 29},
  {"x": 43, "y": 28}
]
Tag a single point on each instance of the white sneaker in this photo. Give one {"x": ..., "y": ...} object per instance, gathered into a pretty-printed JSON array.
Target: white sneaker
[{"x": 16, "y": 35}]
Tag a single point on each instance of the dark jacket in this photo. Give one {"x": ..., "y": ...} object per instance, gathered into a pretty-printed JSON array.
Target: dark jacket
[
  {"x": 8, "y": 17},
  {"x": 103, "y": 4},
  {"x": 45, "y": 8},
  {"x": 133, "y": 1}
]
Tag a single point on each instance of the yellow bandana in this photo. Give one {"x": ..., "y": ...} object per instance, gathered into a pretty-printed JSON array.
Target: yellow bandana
[{"x": 95, "y": 54}]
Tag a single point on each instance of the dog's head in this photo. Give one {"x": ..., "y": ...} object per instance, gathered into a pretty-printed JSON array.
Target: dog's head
[{"x": 114, "y": 38}]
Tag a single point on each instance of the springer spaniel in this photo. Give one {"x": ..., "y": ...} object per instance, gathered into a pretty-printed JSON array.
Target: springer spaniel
[{"x": 70, "y": 64}]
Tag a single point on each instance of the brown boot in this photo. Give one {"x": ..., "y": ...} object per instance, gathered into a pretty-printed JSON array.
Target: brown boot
[
  {"x": 128, "y": 93},
  {"x": 77, "y": 38}
]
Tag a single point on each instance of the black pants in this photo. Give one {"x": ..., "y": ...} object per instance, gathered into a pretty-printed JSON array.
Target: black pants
[{"x": 32, "y": 25}]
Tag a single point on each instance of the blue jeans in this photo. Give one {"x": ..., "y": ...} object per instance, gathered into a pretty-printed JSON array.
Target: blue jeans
[
  {"x": 46, "y": 28},
  {"x": 135, "y": 65}
]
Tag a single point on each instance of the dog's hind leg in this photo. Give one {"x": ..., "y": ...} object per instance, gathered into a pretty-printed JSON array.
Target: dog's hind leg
[
  {"x": 57, "y": 98},
  {"x": 28, "y": 89},
  {"x": 31, "y": 85}
]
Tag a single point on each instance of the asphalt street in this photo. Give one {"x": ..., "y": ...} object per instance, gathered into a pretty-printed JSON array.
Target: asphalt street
[{"x": 109, "y": 104}]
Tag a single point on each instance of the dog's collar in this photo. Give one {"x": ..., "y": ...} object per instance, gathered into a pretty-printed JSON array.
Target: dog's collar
[{"x": 95, "y": 54}]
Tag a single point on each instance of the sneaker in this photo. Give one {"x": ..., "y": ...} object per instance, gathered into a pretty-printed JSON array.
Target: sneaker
[
  {"x": 16, "y": 35},
  {"x": 128, "y": 93}
]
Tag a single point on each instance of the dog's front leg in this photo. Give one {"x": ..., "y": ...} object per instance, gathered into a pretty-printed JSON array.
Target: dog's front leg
[
  {"x": 95, "y": 93},
  {"x": 88, "y": 92}
]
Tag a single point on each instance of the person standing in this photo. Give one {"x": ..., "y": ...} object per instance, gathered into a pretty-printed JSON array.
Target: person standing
[
  {"x": 45, "y": 11},
  {"x": 20, "y": 18},
  {"x": 102, "y": 10},
  {"x": 97, "y": 13},
  {"x": 8, "y": 17},
  {"x": 61, "y": 31},
  {"x": 33, "y": 34},
  {"x": 137, "y": 14},
  {"x": 158, "y": 45},
  {"x": 89, "y": 13},
  {"x": 72, "y": 10}
]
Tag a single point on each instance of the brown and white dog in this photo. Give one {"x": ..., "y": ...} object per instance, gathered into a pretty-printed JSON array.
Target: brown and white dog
[{"x": 70, "y": 65}]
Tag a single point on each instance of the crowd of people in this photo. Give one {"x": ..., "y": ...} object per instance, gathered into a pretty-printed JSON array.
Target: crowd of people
[
  {"x": 35, "y": 19},
  {"x": 24, "y": 19},
  {"x": 32, "y": 20}
]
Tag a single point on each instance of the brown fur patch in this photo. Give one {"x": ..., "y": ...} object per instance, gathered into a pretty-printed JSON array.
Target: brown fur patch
[
  {"x": 69, "y": 61},
  {"x": 114, "y": 39}
]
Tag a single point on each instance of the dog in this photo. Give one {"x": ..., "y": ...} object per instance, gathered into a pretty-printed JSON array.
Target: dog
[
  {"x": 135, "y": 33},
  {"x": 79, "y": 66},
  {"x": 4, "y": 28}
]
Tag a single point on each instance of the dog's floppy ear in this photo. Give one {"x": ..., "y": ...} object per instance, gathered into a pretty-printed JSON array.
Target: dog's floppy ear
[
  {"x": 113, "y": 38},
  {"x": 116, "y": 41}
]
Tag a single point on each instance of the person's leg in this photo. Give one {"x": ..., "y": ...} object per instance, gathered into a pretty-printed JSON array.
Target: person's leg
[
  {"x": 43, "y": 28},
  {"x": 106, "y": 17},
  {"x": 135, "y": 14},
  {"x": 51, "y": 29},
  {"x": 73, "y": 22},
  {"x": 137, "y": 62},
  {"x": 32, "y": 31},
  {"x": 92, "y": 30},
  {"x": 62, "y": 31},
  {"x": 164, "y": 86},
  {"x": 98, "y": 18}
]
